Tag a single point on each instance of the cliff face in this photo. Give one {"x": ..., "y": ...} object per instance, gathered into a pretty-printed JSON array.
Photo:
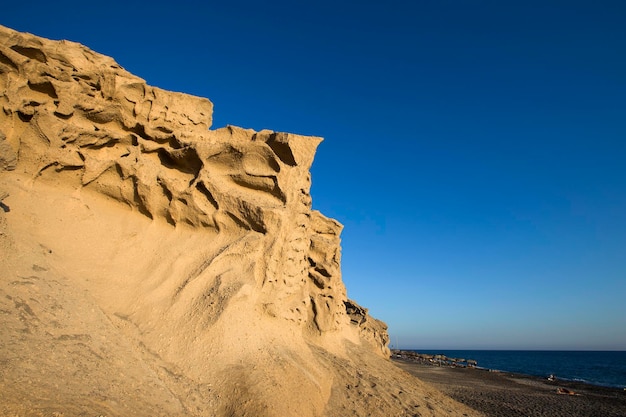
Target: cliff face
[
  {"x": 192, "y": 256},
  {"x": 75, "y": 117}
]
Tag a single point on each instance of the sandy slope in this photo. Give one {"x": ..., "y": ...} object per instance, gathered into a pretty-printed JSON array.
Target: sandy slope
[
  {"x": 60, "y": 350},
  {"x": 77, "y": 265}
]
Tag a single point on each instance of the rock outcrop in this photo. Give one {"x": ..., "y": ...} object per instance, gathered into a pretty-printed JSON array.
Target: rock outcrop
[{"x": 181, "y": 267}]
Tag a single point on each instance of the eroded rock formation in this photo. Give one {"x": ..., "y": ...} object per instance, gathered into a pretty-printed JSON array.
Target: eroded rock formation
[{"x": 192, "y": 256}]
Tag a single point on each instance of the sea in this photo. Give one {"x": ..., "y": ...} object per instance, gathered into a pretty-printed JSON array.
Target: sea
[{"x": 604, "y": 368}]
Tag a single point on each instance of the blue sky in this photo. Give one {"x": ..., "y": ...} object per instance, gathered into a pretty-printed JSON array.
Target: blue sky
[{"x": 474, "y": 150}]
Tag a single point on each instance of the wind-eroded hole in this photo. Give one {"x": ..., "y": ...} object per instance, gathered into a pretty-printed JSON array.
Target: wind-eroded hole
[
  {"x": 185, "y": 160},
  {"x": 5, "y": 60},
  {"x": 281, "y": 148},
  {"x": 32, "y": 53},
  {"x": 45, "y": 87},
  {"x": 209, "y": 196}
]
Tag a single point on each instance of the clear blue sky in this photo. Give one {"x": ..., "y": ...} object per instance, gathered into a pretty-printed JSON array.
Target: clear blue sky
[{"x": 474, "y": 150}]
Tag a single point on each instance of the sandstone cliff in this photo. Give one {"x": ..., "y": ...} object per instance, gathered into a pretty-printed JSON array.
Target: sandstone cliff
[{"x": 152, "y": 266}]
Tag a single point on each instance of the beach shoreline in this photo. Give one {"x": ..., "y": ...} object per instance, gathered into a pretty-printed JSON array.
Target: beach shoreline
[{"x": 507, "y": 394}]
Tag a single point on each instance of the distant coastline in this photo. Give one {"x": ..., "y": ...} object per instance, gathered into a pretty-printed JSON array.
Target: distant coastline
[
  {"x": 599, "y": 368},
  {"x": 437, "y": 359}
]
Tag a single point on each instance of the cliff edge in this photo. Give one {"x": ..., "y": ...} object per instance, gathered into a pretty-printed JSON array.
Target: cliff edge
[{"x": 152, "y": 266}]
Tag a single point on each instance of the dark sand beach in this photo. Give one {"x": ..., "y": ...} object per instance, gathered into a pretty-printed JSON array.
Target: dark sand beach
[{"x": 502, "y": 394}]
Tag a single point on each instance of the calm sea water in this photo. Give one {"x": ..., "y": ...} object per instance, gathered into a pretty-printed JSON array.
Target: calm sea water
[{"x": 594, "y": 367}]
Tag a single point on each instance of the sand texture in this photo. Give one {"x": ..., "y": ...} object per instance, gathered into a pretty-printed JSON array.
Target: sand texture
[{"x": 151, "y": 266}]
